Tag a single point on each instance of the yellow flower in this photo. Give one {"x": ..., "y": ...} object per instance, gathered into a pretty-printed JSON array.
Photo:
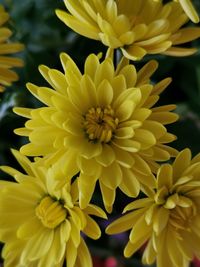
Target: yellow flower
[
  {"x": 137, "y": 27},
  {"x": 103, "y": 122},
  {"x": 168, "y": 219},
  {"x": 40, "y": 224},
  {"x": 7, "y": 76}
]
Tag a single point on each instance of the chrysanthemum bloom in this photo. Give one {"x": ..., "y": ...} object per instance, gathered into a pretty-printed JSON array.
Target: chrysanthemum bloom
[
  {"x": 137, "y": 27},
  {"x": 7, "y": 76},
  {"x": 41, "y": 225},
  {"x": 168, "y": 219},
  {"x": 103, "y": 122}
]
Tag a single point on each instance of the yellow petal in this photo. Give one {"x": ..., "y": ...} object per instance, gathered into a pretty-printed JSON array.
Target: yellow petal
[
  {"x": 130, "y": 185},
  {"x": 189, "y": 10},
  {"x": 160, "y": 220},
  {"x": 165, "y": 176},
  {"x": 138, "y": 204},
  {"x": 125, "y": 110},
  {"x": 84, "y": 255},
  {"x": 124, "y": 223},
  {"x": 173, "y": 250},
  {"x": 145, "y": 72},
  {"x": 69, "y": 65},
  {"x": 158, "y": 48},
  {"x": 38, "y": 245},
  {"x": 130, "y": 74},
  {"x": 105, "y": 71},
  {"x": 127, "y": 145},
  {"x": 71, "y": 253},
  {"x": 160, "y": 153},
  {"x": 121, "y": 24},
  {"x": 157, "y": 27},
  {"x": 59, "y": 80},
  {"x": 134, "y": 52},
  {"x": 26, "y": 230},
  {"x": 145, "y": 138},
  {"x": 111, "y": 176},
  {"x": 89, "y": 90},
  {"x": 123, "y": 158},
  {"x": 132, "y": 94},
  {"x": 155, "y": 127},
  {"x": 149, "y": 255},
  {"x": 161, "y": 86},
  {"x": 181, "y": 162},
  {"x": 172, "y": 201},
  {"x": 164, "y": 117},
  {"x": 89, "y": 166},
  {"x": 179, "y": 51},
  {"x": 104, "y": 94},
  {"x": 10, "y": 48},
  {"x": 92, "y": 229},
  {"x": 140, "y": 231},
  {"x": 141, "y": 114},
  {"x": 80, "y": 27},
  {"x": 86, "y": 186},
  {"x": 107, "y": 156},
  {"x": 91, "y": 65},
  {"x": 95, "y": 210},
  {"x": 124, "y": 133},
  {"x": 141, "y": 165},
  {"x": 154, "y": 40},
  {"x": 130, "y": 248},
  {"x": 33, "y": 150},
  {"x": 108, "y": 196},
  {"x": 186, "y": 35}
]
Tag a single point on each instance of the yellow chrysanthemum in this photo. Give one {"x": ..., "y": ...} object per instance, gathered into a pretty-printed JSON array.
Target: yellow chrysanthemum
[
  {"x": 168, "y": 219},
  {"x": 103, "y": 122},
  {"x": 7, "y": 76},
  {"x": 41, "y": 225},
  {"x": 137, "y": 27}
]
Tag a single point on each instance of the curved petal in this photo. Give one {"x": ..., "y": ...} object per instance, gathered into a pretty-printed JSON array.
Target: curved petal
[{"x": 107, "y": 156}]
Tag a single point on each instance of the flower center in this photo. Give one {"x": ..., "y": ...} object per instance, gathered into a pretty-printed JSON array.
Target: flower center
[
  {"x": 181, "y": 217},
  {"x": 50, "y": 212},
  {"x": 182, "y": 210},
  {"x": 100, "y": 124}
]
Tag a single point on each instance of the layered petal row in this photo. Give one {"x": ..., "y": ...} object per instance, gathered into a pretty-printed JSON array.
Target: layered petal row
[{"x": 137, "y": 27}]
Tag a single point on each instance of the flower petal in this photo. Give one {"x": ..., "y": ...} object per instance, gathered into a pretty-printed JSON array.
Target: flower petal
[{"x": 107, "y": 156}]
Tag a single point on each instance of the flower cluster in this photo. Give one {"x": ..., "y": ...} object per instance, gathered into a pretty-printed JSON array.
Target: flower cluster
[
  {"x": 7, "y": 76},
  {"x": 103, "y": 125}
]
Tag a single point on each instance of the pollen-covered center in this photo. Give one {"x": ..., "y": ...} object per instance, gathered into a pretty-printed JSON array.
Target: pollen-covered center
[
  {"x": 100, "y": 124},
  {"x": 50, "y": 212}
]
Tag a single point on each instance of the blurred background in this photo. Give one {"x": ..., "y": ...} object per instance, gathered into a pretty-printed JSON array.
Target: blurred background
[{"x": 35, "y": 24}]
